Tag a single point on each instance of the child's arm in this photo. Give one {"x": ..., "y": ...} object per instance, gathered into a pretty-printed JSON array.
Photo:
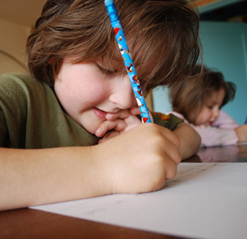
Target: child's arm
[
  {"x": 225, "y": 121},
  {"x": 189, "y": 139},
  {"x": 220, "y": 133},
  {"x": 213, "y": 136},
  {"x": 241, "y": 132},
  {"x": 139, "y": 160}
]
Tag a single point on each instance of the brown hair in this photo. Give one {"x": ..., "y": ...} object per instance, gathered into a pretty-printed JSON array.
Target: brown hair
[
  {"x": 162, "y": 30},
  {"x": 189, "y": 95}
]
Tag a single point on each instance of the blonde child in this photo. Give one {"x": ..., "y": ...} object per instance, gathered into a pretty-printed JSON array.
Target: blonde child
[
  {"x": 78, "y": 93},
  {"x": 199, "y": 99}
]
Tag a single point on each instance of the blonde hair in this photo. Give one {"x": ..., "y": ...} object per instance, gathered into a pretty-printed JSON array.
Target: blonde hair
[
  {"x": 189, "y": 95},
  {"x": 162, "y": 30}
]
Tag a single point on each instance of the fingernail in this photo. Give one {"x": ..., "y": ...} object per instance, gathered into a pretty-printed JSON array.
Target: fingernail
[{"x": 98, "y": 131}]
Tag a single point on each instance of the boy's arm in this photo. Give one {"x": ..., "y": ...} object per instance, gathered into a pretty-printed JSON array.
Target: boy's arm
[
  {"x": 190, "y": 140},
  {"x": 140, "y": 160},
  {"x": 34, "y": 177}
]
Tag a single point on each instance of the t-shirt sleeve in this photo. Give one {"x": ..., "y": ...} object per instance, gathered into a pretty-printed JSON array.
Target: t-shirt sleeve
[
  {"x": 169, "y": 121},
  {"x": 32, "y": 117},
  {"x": 12, "y": 110},
  {"x": 3, "y": 130}
]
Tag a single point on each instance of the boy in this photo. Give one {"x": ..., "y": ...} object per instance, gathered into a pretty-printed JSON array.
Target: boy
[{"x": 79, "y": 92}]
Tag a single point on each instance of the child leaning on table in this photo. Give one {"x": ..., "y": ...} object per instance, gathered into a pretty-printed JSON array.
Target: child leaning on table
[
  {"x": 199, "y": 100},
  {"x": 78, "y": 92}
]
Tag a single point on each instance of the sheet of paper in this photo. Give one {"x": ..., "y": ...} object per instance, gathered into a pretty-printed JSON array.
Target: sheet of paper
[{"x": 204, "y": 200}]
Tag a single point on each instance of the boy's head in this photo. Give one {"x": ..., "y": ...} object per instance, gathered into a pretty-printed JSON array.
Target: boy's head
[
  {"x": 189, "y": 96},
  {"x": 160, "y": 31}
]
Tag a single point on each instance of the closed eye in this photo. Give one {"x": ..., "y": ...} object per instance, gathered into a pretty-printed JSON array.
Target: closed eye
[{"x": 106, "y": 71}]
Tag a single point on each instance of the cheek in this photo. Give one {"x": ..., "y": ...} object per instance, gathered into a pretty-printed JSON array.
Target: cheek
[
  {"x": 201, "y": 118},
  {"x": 79, "y": 87},
  {"x": 204, "y": 116},
  {"x": 93, "y": 93},
  {"x": 91, "y": 88},
  {"x": 79, "y": 92},
  {"x": 198, "y": 120}
]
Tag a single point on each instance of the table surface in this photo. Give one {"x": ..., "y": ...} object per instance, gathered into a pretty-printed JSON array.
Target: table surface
[{"x": 29, "y": 223}]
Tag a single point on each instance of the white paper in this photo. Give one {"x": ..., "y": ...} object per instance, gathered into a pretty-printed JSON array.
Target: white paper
[{"x": 204, "y": 200}]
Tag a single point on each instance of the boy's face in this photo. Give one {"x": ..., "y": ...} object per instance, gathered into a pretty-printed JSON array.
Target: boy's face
[
  {"x": 211, "y": 108},
  {"x": 89, "y": 90}
]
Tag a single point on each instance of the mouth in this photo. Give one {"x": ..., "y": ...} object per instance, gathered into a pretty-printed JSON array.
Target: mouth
[{"x": 99, "y": 113}]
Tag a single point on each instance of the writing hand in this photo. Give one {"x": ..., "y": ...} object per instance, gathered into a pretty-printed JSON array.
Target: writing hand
[{"x": 141, "y": 159}]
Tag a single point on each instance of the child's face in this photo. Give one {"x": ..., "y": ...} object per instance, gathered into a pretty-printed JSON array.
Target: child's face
[
  {"x": 89, "y": 90},
  {"x": 210, "y": 110}
]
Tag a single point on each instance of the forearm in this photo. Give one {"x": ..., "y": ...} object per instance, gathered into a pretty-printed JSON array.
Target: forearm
[
  {"x": 190, "y": 140},
  {"x": 34, "y": 177},
  {"x": 225, "y": 121},
  {"x": 119, "y": 165},
  {"x": 213, "y": 136},
  {"x": 241, "y": 132}
]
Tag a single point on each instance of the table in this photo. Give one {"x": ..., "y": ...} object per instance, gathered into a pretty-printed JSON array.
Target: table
[
  {"x": 29, "y": 223},
  {"x": 226, "y": 154}
]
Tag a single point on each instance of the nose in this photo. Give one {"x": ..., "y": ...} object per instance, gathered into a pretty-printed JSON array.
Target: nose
[{"x": 122, "y": 93}]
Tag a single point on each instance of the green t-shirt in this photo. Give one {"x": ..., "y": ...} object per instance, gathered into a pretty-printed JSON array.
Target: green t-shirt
[{"x": 31, "y": 116}]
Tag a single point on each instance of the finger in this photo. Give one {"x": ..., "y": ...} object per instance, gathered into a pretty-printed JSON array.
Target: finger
[
  {"x": 118, "y": 125},
  {"x": 133, "y": 121},
  {"x": 135, "y": 111},
  {"x": 173, "y": 153},
  {"x": 122, "y": 115},
  {"x": 168, "y": 142},
  {"x": 170, "y": 169}
]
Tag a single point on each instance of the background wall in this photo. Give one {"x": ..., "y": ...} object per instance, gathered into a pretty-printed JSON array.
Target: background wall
[
  {"x": 224, "y": 40},
  {"x": 12, "y": 46},
  {"x": 16, "y": 19},
  {"x": 225, "y": 49}
]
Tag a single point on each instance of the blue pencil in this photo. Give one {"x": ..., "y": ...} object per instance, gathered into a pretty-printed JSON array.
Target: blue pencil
[{"x": 129, "y": 65}]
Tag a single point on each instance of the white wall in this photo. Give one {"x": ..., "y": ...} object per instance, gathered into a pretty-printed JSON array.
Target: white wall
[{"x": 12, "y": 46}]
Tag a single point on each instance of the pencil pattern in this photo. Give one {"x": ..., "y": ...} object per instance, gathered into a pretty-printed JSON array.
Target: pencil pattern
[{"x": 128, "y": 62}]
